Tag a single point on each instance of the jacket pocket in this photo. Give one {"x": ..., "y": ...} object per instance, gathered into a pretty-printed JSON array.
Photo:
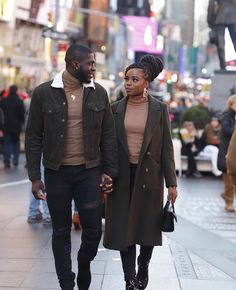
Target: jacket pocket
[
  {"x": 96, "y": 107},
  {"x": 51, "y": 109},
  {"x": 96, "y": 113}
]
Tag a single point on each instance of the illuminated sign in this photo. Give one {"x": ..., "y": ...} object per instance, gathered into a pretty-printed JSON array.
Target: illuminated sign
[
  {"x": 143, "y": 34},
  {"x": 6, "y": 10}
]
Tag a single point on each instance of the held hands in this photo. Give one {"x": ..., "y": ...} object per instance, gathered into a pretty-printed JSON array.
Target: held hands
[
  {"x": 106, "y": 184},
  {"x": 38, "y": 190},
  {"x": 172, "y": 193}
]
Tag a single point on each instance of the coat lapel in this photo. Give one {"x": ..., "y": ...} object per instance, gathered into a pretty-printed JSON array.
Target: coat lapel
[
  {"x": 119, "y": 116},
  {"x": 154, "y": 114}
]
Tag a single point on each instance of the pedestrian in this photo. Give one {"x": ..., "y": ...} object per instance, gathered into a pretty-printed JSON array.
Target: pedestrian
[
  {"x": 145, "y": 150},
  {"x": 231, "y": 159},
  {"x": 35, "y": 214},
  {"x": 71, "y": 120},
  {"x": 221, "y": 14},
  {"x": 211, "y": 141},
  {"x": 227, "y": 124},
  {"x": 13, "y": 109},
  {"x": 191, "y": 146}
]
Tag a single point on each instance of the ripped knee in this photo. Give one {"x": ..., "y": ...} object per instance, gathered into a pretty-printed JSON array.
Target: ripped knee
[{"x": 92, "y": 205}]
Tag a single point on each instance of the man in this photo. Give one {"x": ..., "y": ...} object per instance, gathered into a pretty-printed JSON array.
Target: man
[
  {"x": 71, "y": 120},
  {"x": 222, "y": 14},
  {"x": 14, "y": 114}
]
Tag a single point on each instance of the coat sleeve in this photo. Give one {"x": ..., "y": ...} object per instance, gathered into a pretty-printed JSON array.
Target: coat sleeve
[
  {"x": 108, "y": 144},
  {"x": 34, "y": 137},
  {"x": 168, "y": 162}
]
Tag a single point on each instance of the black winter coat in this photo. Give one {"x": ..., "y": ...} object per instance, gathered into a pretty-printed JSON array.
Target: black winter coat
[{"x": 14, "y": 114}]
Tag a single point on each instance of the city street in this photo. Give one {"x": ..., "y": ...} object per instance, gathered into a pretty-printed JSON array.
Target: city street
[{"x": 200, "y": 254}]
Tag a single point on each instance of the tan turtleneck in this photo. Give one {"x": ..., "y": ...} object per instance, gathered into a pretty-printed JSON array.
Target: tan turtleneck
[
  {"x": 74, "y": 147},
  {"x": 135, "y": 122}
]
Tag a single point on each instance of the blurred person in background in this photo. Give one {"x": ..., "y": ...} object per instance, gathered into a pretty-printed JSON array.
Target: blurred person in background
[
  {"x": 191, "y": 146},
  {"x": 231, "y": 159},
  {"x": 222, "y": 14},
  {"x": 71, "y": 126},
  {"x": 134, "y": 208},
  {"x": 35, "y": 215},
  {"x": 211, "y": 141},
  {"x": 227, "y": 124},
  {"x": 14, "y": 114}
]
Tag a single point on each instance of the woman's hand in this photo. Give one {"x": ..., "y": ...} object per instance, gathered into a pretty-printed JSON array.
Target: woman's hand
[
  {"x": 106, "y": 184},
  {"x": 172, "y": 193}
]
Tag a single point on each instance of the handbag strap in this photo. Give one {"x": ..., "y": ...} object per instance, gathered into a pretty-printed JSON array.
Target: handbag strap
[{"x": 173, "y": 210}]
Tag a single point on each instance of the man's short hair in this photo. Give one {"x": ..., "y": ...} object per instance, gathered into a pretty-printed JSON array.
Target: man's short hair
[{"x": 77, "y": 52}]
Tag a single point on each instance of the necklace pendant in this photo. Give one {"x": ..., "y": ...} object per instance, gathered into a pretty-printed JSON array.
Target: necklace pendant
[{"x": 73, "y": 97}]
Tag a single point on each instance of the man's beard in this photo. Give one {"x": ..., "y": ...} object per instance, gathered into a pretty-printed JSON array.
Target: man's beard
[{"x": 81, "y": 75}]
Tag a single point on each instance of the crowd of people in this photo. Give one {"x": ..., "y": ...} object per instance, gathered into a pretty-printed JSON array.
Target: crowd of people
[{"x": 79, "y": 146}]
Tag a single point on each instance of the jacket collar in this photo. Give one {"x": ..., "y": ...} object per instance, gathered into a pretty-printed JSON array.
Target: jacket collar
[{"x": 58, "y": 82}]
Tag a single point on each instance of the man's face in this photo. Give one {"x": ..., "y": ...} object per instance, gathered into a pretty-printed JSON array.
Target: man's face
[{"x": 85, "y": 69}]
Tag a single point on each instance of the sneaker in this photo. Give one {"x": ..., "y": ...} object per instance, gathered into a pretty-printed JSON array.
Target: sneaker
[
  {"x": 35, "y": 218},
  {"x": 47, "y": 221},
  {"x": 197, "y": 174}
]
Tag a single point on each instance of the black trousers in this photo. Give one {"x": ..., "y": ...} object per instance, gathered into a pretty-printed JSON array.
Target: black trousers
[
  {"x": 82, "y": 185},
  {"x": 128, "y": 257},
  {"x": 192, "y": 167}
]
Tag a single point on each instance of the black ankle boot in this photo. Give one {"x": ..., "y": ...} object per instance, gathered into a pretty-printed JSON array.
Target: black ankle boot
[
  {"x": 131, "y": 284},
  {"x": 142, "y": 275}
]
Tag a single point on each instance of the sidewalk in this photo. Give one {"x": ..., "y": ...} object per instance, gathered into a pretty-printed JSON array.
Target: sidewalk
[{"x": 192, "y": 258}]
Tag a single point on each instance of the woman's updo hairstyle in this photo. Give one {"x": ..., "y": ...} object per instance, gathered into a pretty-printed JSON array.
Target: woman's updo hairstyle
[{"x": 151, "y": 65}]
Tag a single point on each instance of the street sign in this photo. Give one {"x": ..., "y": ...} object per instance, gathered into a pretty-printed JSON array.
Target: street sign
[{"x": 56, "y": 35}]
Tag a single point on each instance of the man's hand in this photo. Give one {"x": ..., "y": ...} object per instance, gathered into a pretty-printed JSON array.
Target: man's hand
[
  {"x": 172, "y": 193},
  {"x": 106, "y": 183},
  {"x": 38, "y": 189}
]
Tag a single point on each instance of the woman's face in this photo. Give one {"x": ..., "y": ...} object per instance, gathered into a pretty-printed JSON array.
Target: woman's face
[
  {"x": 135, "y": 82},
  {"x": 233, "y": 105}
]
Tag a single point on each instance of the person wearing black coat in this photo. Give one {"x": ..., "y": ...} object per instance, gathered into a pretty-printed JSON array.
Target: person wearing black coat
[
  {"x": 14, "y": 111},
  {"x": 227, "y": 123}
]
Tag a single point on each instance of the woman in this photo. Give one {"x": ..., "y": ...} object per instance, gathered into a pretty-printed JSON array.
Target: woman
[
  {"x": 211, "y": 140},
  {"x": 134, "y": 208},
  {"x": 191, "y": 146},
  {"x": 227, "y": 123}
]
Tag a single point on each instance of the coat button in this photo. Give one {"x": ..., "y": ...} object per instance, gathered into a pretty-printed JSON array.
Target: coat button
[
  {"x": 63, "y": 120},
  {"x": 49, "y": 111},
  {"x": 64, "y": 103},
  {"x": 148, "y": 153},
  {"x": 146, "y": 169},
  {"x": 144, "y": 186},
  {"x": 61, "y": 135}
]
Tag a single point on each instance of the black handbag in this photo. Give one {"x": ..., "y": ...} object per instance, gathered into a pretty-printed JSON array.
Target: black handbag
[{"x": 168, "y": 217}]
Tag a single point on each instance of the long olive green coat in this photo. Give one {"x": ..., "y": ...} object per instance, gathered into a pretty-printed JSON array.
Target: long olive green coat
[{"x": 139, "y": 221}]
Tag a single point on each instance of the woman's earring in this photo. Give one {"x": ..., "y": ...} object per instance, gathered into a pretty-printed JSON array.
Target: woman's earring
[{"x": 145, "y": 93}]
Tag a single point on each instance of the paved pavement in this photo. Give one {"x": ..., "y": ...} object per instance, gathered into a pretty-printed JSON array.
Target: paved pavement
[{"x": 200, "y": 254}]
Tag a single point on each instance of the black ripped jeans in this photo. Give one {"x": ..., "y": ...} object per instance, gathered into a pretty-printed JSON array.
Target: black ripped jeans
[{"x": 82, "y": 185}]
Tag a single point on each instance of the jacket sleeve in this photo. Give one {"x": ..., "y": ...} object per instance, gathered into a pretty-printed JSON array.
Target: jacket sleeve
[
  {"x": 108, "y": 143},
  {"x": 34, "y": 137},
  {"x": 168, "y": 162},
  {"x": 21, "y": 112}
]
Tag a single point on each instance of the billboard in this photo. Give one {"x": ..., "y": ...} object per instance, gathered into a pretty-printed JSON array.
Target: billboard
[{"x": 142, "y": 34}]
